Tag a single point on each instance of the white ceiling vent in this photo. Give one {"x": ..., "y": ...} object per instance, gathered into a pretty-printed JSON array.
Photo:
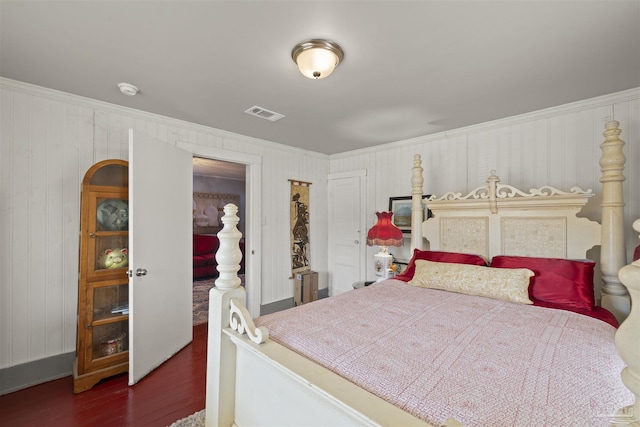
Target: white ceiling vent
[{"x": 263, "y": 113}]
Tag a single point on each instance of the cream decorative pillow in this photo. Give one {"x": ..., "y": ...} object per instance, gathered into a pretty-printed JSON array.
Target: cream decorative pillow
[{"x": 507, "y": 284}]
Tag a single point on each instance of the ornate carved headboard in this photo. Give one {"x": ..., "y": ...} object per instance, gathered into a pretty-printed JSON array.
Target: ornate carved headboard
[{"x": 499, "y": 219}]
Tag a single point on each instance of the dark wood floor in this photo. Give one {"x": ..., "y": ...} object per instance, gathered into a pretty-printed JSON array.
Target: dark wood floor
[{"x": 173, "y": 391}]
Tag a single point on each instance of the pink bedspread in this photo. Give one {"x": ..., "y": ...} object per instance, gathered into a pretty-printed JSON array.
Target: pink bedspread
[{"x": 483, "y": 362}]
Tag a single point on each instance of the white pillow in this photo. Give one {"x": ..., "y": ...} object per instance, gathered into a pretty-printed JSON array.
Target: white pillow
[{"x": 507, "y": 284}]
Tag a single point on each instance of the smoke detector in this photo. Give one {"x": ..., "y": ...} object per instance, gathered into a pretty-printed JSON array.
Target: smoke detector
[{"x": 128, "y": 89}]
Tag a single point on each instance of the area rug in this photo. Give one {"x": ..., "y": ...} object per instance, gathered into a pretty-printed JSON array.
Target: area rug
[
  {"x": 193, "y": 420},
  {"x": 201, "y": 299}
]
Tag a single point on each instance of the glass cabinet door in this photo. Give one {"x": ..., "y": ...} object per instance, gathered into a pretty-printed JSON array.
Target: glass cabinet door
[
  {"x": 110, "y": 339},
  {"x": 109, "y": 324},
  {"x": 110, "y": 301},
  {"x": 110, "y": 253},
  {"x": 112, "y": 214},
  {"x": 108, "y": 235}
]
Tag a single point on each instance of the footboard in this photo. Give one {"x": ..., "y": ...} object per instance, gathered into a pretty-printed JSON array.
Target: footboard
[{"x": 276, "y": 386}]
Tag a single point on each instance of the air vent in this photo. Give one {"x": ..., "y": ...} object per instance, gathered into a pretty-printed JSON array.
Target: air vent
[{"x": 263, "y": 113}]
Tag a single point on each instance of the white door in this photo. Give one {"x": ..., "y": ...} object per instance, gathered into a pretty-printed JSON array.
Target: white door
[
  {"x": 347, "y": 235},
  {"x": 160, "y": 253}
]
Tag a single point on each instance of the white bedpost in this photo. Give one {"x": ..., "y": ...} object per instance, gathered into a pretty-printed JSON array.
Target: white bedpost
[
  {"x": 613, "y": 251},
  {"x": 492, "y": 185},
  {"x": 221, "y": 352},
  {"x": 627, "y": 339},
  {"x": 417, "y": 211}
]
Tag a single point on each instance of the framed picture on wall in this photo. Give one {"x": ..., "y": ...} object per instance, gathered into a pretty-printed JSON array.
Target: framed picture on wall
[
  {"x": 208, "y": 211},
  {"x": 401, "y": 208}
]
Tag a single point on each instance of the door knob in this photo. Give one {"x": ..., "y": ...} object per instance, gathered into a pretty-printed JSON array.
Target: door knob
[
  {"x": 357, "y": 242},
  {"x": 141, "y": 272}
]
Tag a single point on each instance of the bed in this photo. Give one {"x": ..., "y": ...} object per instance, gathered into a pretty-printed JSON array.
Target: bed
[{"x": 452, "y": 341}]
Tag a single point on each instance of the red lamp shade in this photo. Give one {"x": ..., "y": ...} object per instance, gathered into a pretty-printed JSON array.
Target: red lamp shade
[{"x": 384, "y": 233}]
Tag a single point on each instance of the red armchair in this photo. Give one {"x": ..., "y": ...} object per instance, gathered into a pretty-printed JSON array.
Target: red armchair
[{"x": 204, "y": 256}]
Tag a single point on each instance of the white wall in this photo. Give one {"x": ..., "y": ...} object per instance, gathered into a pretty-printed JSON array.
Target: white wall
[
  {"x": 559, "y": 146},
  {"x": 48, "y": 140}
]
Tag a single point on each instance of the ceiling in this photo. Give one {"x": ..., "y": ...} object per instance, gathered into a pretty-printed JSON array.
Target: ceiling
[
  {"x": 411, "y": 68},
  {"x": 219, "y": 169}
]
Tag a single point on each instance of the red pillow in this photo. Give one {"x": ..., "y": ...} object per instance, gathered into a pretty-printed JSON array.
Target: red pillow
[
  {"x": 438, "y": 256},
  {"x": 565, "y": 282}
]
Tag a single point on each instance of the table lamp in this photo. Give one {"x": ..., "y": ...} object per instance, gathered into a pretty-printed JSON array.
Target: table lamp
[{"x": 384, "y": 233}]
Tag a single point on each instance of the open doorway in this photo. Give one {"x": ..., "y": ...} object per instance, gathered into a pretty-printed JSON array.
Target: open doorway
[
  {"x": 253, "y": 221},
  {"x": 215, "y": 183}
]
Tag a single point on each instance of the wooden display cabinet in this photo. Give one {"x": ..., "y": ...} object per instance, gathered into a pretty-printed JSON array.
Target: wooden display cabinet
[{"x": 103, "y": 287}]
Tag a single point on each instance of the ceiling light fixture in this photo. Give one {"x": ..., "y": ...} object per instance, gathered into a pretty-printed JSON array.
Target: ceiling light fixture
[
  {"x": 317, "y": 58},
  {"x": 128, "y": 89}
]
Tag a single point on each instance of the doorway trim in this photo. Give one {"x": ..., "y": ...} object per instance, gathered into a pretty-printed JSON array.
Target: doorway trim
[{"x": 253, "y": 213}]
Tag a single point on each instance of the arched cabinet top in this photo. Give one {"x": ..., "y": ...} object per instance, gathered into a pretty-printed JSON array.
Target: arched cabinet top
[{"x": 111, "y": 173}]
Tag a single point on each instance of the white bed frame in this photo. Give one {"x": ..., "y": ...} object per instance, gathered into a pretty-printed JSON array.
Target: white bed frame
[{"x": 252, "y": 380}]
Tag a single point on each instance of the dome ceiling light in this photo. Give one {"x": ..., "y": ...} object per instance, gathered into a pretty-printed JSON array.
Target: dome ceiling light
[{"x": 317, "y": 58}]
